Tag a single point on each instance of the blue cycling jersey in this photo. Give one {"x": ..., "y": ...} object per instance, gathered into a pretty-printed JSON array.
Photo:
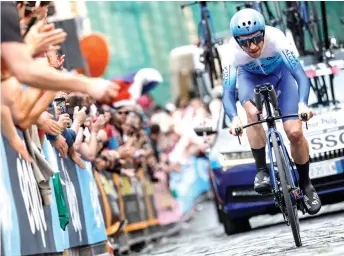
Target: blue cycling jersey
[{"x": 276, "y": 55}]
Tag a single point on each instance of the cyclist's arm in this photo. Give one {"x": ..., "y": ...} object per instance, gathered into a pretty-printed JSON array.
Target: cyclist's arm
[
  {"x": 294, "y": 66},
  {"x": 229, "y": 86}
]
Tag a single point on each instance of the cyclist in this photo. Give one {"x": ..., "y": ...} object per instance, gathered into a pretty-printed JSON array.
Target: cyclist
[{"x": 260, "y": 54}]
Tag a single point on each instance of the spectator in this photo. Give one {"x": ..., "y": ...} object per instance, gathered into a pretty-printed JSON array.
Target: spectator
[
  {"x": 9, "y": 131},
  {"x": 32, "y": 73},
  {"x": 112, "y": 140},
  {"x": 154, "y": 137}
]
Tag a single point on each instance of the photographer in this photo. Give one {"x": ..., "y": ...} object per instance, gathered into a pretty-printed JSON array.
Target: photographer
[
  {"x": 87, "y": 140},
  {"x": 70, "y": 127}
]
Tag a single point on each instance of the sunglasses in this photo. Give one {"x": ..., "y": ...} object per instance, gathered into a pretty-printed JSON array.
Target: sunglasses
[
  {"x": 246, "y": 42},
  {"x": 123, "y": 112}
]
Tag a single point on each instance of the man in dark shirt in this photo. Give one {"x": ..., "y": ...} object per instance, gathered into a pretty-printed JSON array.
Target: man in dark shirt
[
  {"x": 10, "y": 32},
  {"x": 10, "y": 29}
]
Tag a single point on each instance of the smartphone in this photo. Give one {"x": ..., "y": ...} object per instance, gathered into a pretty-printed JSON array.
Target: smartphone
[
  {"x": 51, "y": 110},
  {"x": 61, "y": 102}
]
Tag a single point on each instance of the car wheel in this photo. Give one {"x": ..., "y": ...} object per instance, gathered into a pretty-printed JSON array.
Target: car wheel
[{"x": 234, "y": 226}]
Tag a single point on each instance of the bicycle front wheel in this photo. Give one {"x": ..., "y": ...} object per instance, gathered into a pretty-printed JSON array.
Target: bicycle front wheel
[{"x": 291, "y": 209}]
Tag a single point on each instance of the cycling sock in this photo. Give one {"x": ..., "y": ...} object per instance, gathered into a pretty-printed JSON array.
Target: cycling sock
[
  {"x": 303, "y": 170},
  {"x": 259, "y": 156}
]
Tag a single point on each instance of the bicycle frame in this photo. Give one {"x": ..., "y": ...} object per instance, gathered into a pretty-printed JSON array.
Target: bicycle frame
[
  {"x": 264, "y": 9},
  {"x": 210, "y": 56},
  {"x": 286, "y": 156},
  {"x": 271, "y": 122},
  {"x": 257, "y": 5},
  {"x": 206, "y": 13},
  {"x": 269, "y": 96},
  {"x": 303, "y": 10},
  {"x": 286, "y": 193}
]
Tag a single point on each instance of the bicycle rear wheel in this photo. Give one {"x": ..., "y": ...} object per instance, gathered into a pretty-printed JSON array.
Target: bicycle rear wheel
[
  {"x": 209, "y": 56},
  {"x": 291, "y": 209},
  {"x": 294, "y": 24}
]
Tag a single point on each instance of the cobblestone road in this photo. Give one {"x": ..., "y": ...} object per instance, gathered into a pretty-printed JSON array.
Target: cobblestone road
[{"x": 321, "y": 235}]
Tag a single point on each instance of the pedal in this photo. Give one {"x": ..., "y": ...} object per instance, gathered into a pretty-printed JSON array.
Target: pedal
[{"x": 297, "y": 194}]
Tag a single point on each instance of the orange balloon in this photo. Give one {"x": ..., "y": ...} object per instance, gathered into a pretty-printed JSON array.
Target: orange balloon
[{"x": 95, "y": 49}]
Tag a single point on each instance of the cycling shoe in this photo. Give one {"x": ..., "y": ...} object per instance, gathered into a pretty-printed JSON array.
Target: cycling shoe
[
  {"x": 311, "y": 199},
  {"x": 262, "y": 182}
]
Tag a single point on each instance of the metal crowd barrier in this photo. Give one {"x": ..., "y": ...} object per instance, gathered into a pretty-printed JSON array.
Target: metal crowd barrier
[{"x": 83, "y": 213}]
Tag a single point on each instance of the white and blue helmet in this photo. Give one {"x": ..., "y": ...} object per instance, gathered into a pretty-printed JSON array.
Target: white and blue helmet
[{"x": 246, "y": 22}]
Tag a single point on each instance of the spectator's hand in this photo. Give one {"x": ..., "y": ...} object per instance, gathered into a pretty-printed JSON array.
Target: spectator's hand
[
  {"x": 10, "y": 132},
  {"x": 41, "y": 36},
  {"x": 140, "y": 153},
  {"x": 60, "y": 60},
  {"x": 203, "y": 147},
  {"x": 102, "y": 137},
  {"x": 64, "y": 120},
  {"x": 125, "y": 152},
  {"x": 80, "y": 115},
  {"x": 143, "y": 134},
  {"x": 19, "y": 145},
  {"x": 103, "y": 91},
  {"x": 61, "y": 145},
  {"x": 141, "y": 141},
  {"x": 47, "y": 124},
  {"x": 96, "y": 126},
  {"x": 62, "y": 94},
  {"x": 128, "y": 172}
]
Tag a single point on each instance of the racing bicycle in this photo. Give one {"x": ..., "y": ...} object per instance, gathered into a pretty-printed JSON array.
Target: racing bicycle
[
  {"x": 303, "y": 16},
  {"x": 209, "y": 43},
  {"x": 287, "y": 194},
  {"x": 286, "y": 191}
]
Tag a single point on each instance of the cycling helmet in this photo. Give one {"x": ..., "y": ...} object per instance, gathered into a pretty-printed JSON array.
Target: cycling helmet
[{"x": 246, "y": 22}]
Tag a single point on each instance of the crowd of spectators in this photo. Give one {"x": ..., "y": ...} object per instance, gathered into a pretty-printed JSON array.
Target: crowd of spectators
[{"x": 75, "y": 113}]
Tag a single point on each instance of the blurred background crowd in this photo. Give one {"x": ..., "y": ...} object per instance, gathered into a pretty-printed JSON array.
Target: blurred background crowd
[{"x": 114, "y": 126}]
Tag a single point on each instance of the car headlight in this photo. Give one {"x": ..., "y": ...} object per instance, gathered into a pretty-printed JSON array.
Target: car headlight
[{"x": 228, "y": 160}]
